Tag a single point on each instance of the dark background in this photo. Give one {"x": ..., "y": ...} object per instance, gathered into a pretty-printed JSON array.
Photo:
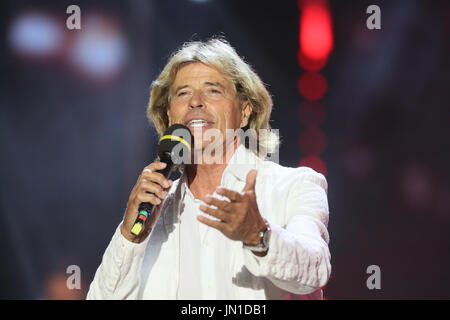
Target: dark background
[{"x": 72, "y": 142}]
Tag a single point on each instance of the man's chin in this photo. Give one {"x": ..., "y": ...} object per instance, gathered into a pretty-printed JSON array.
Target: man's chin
[{"x": 205, "y": 147}]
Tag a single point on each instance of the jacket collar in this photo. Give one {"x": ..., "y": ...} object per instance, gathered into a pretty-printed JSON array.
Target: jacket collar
[{"x": 242, "y": 161}]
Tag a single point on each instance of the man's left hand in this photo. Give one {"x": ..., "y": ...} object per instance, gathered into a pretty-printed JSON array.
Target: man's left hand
[{"x": 239, "y": 218}]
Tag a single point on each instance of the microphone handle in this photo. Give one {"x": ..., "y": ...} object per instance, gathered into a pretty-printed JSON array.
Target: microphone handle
[{"x": 146, "y": 208}]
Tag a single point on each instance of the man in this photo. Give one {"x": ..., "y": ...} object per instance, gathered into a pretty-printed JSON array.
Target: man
[{"x": 239, "y": 227}]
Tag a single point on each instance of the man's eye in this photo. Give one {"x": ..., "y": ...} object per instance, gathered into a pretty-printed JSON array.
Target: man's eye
[
  {"x": 182, "y": 93},
  {"x": 215, "y": 91}
]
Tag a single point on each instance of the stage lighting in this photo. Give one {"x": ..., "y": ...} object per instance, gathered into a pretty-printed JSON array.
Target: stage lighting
[
  {"x": 316, "y": 33},
  {"x": 36, "y": 34},
  {"x": 100, "y": 48}
]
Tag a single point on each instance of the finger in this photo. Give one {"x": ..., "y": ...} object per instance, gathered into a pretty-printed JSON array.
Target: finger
[
  {"x": 223, "y": 205},
  {"x": 154, "y": 188},
  {"x": 217, "y": 213},
  {"x": 157, "y": 165},
  {"x": 154, "y": 167},
  {"x": 155, "y": 177},
  {"x": 212, "y": 223},
  {"x": 250, "y": 181},
  {"x": 147, "y": 197},
  {"x": 230, "y": 194}
]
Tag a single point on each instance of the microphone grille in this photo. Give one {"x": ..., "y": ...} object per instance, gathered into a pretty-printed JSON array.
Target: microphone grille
[{"x": 177, "y": 140}]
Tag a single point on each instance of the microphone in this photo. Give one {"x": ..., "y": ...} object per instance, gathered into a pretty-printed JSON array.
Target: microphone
[{"x": 174, "y": 149}]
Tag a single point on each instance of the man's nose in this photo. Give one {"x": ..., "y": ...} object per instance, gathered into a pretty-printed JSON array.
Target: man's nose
[{"x": 196, "y": 100}]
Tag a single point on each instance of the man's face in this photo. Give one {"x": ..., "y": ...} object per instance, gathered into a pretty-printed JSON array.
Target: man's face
[{"x": 202, "y": 98}]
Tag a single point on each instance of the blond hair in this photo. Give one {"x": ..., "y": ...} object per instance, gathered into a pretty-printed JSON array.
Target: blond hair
[{"x": 218, "y": 54}]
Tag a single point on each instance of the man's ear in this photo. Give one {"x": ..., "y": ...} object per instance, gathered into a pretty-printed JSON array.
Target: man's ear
[{"x": 247, "y": 109}]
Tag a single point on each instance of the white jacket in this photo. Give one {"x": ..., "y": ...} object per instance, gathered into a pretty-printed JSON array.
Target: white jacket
[{"x": 293, "y": 200}]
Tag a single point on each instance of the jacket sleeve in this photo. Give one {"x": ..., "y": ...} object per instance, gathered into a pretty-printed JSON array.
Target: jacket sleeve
[
  {"x": 117, "y": 277},
  {"x": 298, "y": 259}
]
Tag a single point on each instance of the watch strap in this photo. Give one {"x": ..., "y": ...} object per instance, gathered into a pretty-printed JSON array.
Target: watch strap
[{"x": 261, "y": 246}]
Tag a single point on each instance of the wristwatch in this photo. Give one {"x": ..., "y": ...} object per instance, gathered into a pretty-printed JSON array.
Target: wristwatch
[{"x": 264, "y": 238}]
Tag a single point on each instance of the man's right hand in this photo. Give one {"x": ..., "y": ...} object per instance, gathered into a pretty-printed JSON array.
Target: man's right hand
[{"x": 151, "y": 187}]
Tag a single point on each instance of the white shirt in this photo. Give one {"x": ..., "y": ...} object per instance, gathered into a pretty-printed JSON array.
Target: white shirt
[
  {"x": 185, "y": 259},
  {"x": 191, "y": 271}
]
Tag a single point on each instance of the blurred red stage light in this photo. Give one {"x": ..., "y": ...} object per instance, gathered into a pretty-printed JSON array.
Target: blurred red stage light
[
  {"x": 311, "y": 114},
  {"x": 316, "y": 44},
  {"x": 316, "y": 33},
  {"x": 314, "y": 162},
  {"x": 313, "y": 141},
  {"x": 313, "y": 86}
]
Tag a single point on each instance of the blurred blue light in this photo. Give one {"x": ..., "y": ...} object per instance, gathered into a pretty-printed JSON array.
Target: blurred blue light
[
  {"x": 36, "y": 34},
  {"x": 100, "y": 49}
]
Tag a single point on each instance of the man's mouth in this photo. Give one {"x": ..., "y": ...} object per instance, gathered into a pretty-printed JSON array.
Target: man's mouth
[{"x": 198, "y": 123}]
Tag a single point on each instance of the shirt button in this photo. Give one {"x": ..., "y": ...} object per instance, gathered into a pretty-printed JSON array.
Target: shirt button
[{"x": 207, "y": 244}]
